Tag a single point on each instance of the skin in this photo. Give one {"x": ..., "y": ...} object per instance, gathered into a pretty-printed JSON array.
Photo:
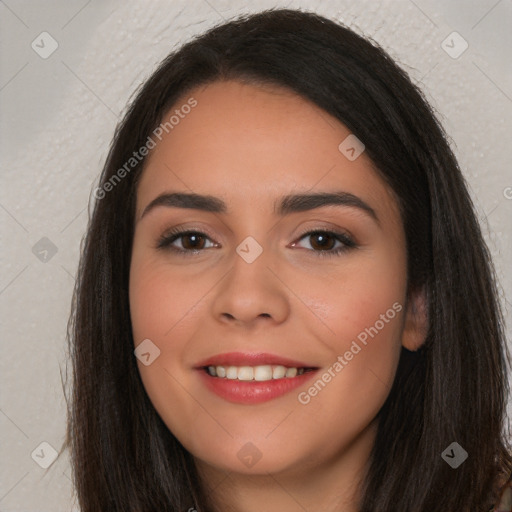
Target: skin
[{"x": 249, "y": 145}]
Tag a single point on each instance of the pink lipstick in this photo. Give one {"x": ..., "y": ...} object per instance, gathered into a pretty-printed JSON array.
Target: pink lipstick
[{"x": 252, "y": 378}]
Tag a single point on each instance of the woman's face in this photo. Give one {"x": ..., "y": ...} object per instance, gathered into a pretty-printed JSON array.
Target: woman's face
[{"x": 267, "y": 284}]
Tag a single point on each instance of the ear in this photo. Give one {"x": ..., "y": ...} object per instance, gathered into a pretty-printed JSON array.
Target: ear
[{"x": 416, "y": 321}]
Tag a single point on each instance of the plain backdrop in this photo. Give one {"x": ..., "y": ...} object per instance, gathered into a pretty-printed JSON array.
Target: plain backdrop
[{"x": 58, "y": 114}]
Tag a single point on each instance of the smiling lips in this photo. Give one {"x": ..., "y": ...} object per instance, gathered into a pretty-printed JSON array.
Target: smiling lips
[{"x": 252, "y": 378}]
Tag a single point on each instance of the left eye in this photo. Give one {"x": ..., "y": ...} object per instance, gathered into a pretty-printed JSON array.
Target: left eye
[{"x": 323, "y": 242}]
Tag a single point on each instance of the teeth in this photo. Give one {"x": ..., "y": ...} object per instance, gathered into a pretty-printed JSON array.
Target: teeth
[
  {"x": 246, "y": 373},
  {"x": 279, "y": 372},
  {"x": 257, "y": 373},
  {"x": 291, "y": 372},
  {"x": 232, "y": 372},
  {"x": 263, "y": 372}
]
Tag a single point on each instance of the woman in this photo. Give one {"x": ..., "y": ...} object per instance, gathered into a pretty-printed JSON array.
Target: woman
[{"x": 284, "y": 300}]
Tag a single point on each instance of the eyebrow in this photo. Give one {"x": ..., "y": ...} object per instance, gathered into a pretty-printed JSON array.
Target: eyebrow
[{"x": 288, "y": 204}]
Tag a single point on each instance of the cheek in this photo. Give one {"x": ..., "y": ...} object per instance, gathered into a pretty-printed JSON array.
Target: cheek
[
  {"x": 364, "y": 311},
  {"x": 161, "y": 308},
  {"x": 167, "y": 306},
  {"x": 364, "y": 298},
  {"x": 160, "y": 298},
  {"x": 165, "y": 309},
  {"x": 364, "y": 340},
  {"x": 365, "y": 345}
]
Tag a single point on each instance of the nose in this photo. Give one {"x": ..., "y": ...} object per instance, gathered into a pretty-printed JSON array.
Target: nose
[{"x": 251, "y": 293}]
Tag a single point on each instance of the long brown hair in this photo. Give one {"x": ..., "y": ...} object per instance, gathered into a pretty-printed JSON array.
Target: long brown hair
[{"x": 453, "y": 389}]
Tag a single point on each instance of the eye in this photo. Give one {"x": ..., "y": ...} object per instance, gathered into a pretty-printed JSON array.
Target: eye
[
  {"x": 324, "y": 242},
  {"x": 192, "y": 241}
]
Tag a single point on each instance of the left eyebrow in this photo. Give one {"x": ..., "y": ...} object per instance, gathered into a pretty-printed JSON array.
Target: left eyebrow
[
  {"x": 303, "y": 202},
  {"x": 288, "y": 204}
]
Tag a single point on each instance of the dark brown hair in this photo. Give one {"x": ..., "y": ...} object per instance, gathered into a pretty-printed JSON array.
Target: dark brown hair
[{"x": 453, "y": 388}]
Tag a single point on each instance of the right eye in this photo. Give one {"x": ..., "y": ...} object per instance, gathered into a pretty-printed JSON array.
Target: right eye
[{"x": 192, "y": 241}]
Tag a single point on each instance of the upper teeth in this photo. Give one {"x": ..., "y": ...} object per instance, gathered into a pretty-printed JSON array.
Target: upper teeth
[{"x": 260, "y": 373}]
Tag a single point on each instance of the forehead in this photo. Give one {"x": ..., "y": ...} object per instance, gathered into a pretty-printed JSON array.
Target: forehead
[{"x": 250, "y": 144}]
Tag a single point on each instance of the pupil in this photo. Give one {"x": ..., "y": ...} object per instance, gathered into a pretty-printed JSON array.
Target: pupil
[
  {"x": 323, "y": 237},
  {"x": 194, "y": 237}
]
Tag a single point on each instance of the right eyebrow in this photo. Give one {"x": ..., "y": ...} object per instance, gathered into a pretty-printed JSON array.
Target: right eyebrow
[{"x": 186, "y": 200}]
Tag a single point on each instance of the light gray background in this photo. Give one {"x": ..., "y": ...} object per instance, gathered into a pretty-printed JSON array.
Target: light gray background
[{"x": 57, "y": 119}]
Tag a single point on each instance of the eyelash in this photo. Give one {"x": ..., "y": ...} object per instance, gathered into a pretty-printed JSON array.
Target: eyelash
[{"x": 169, "y": 237}]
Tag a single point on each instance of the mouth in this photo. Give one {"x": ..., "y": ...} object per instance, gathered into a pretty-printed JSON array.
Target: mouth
[{"x": 253, "y": 378}]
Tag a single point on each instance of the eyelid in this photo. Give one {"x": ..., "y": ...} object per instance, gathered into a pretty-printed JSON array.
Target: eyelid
[
  {"x": 325, "y": 229},
  {"x": 180, "y": 229}
]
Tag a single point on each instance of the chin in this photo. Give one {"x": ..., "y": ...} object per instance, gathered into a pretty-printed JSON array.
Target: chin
[{"x": 249, "y": 458}]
